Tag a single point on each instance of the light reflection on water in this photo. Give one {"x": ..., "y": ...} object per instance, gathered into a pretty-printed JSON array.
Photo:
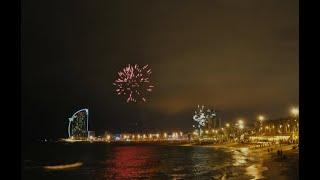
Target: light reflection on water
[
  {"x": 131, "y": 162},
  {"x": 165, "y": 162},
  {"x": 256, "y": 171},
  {"x": 240, "y": 156},
  {"x": 142, "y": 162}
]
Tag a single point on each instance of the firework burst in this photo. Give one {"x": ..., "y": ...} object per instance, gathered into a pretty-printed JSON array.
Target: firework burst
[{"x": 134, "y": 82}]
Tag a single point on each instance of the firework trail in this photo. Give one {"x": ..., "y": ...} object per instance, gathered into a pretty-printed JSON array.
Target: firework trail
[{"x": 134, "y": 82}]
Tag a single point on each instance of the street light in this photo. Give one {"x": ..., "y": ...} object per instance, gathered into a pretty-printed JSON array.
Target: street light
[
  {"x": 227, "y": 125},
  {"x": 295, "y": 111},
  {"x": 240, "y": 122},
  {"x": 241, "y": 126},
  {"x": 261, "y": 118}
]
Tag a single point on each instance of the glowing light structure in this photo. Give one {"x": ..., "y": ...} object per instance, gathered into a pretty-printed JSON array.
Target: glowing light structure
[
  {"x": 202, "y": 117},
  {"x": 134, "y": 82},
  {"x": 78, "y": 124}
]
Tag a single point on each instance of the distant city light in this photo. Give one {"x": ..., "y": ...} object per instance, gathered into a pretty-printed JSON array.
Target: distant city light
[
  {"x": 165, "y": 135},
  {"x": 232, "y": 134}
]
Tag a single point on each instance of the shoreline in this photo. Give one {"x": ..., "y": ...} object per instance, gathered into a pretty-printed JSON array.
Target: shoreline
[{"x": 264, "y": 164}]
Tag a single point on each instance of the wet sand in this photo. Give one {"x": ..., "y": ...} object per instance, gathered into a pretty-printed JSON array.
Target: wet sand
[
  {"x": 281, "y": 168},
  {"x": 269, "y": 165}
]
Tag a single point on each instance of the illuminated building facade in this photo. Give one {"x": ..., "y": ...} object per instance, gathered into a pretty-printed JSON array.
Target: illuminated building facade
[
  {"x": 78, "y": 124},
  {"x": 288, "y": 127}
]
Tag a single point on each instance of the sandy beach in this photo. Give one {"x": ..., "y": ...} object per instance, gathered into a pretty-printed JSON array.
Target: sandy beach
[
  {"x": 265, "y": 163},
  {"x": 282, "y": 168}
]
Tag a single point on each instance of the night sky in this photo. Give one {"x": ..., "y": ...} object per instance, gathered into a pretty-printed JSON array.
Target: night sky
[{"x": 239, "y": 57}]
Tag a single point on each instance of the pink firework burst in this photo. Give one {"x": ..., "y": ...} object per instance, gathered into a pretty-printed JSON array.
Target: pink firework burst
[{"x": 134, "y": 82}]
